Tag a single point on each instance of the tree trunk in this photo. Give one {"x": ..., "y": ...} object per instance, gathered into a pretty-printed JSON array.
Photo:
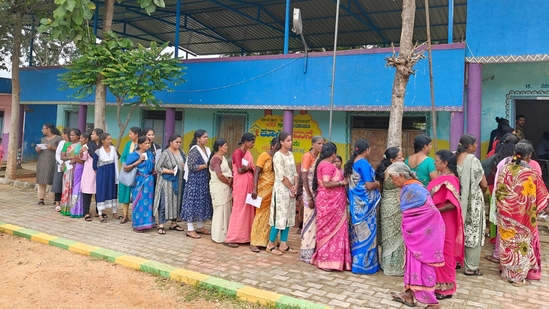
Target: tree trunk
[
  {"x": 100, "y": 88},
  {"x": 403, "y": 65},
  {"x": 11, "y": 168},
  {"x": 122, "y": 126}
]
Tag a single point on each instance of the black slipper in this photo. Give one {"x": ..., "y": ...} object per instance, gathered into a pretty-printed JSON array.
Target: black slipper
[
  {"x": 88, "y": 218},
  {"x": 441, "y": 296},
  {"x": 161, "y": 231},
  {"x": 176, "y": 227},
  {"x": 254, "y": 249},
  {"x": 476, "y": 272}
]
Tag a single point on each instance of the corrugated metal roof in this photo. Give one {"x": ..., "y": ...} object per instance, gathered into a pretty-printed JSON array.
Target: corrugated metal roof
[{"x": 250, "y": 26}]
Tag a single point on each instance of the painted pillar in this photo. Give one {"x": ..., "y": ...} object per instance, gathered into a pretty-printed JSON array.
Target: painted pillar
[
  {"x": 474, "y": 102},
  {"x": 287, "y": 28},
  {"x": 456, "y": 125},
  {"x": 288, "y": 121},
  {"x": 169, "y": 125},
  {"x": 82, "y": 116}
]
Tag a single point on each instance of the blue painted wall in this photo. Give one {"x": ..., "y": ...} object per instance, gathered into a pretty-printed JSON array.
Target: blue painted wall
[
  {"x": 507, "y": 27},
  {"x": 5, "y": 85},
  {"x": 362, "y": 81},
  {"x": 35, "y": 117}
]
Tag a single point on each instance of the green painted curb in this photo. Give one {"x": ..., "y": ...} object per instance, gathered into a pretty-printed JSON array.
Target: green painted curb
[
  {"x": 2, "y": 223},
  {"x": 106, "y": 254},
  {"x": 286, "y": 302},
  {"x": 222, "y": 285},
  {"x": 27, "y": 233},
  {"x": 62, "y": 243},
  {"x": 157, "y": 268}
]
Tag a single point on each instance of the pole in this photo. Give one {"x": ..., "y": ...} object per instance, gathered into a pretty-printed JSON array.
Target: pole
[
  {"x": 333, "y": 73},
  {"x": 450, "y": 21},
  {"x": 431, "y": 82},
  {"x": 287, "y": 28},
  {"x": 177, "y": 23}
]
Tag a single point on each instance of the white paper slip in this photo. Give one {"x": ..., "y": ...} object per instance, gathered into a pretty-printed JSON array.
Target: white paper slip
[
  {"x": 255, "y": 203},
  {"x": 145, "y": 157},
  {"x": 68, "y": 165},
  {"x": 244, "y": 162},
  {"x": 175, "y": 170},
  {"x": 42, "y": 146}
]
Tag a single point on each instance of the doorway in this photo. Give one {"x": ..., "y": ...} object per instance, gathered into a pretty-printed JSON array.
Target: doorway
[{"x": 230, "y": 127}]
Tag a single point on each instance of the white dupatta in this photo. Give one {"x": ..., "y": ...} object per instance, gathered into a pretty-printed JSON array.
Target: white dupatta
[
  {"x": 110, "y": 157},
  {"x": 205, "y": 156}
]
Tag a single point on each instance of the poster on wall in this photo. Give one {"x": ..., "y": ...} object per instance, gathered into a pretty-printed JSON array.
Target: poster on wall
[{"x": 268, "y": 127}]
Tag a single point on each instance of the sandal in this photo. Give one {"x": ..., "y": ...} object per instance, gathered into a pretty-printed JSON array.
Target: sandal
[
  {"x": 289, "y": 250},
  {"x": 522, "y": 283},
  {"x": 161, "y": 231},
  {"x": 254, "y": 249},
  {"x": 476, "y": 272},
  {"x": 492, "y": 259},
  {"x": 398, "y": 298},
  {"x": 195, "y": 236},
  {"x": 124, "y": 220},
  {"x": 231, "y": 244},
  {"x": 58, "y": 208},
  {"x": 103, "y": 220},
  {"x": 274, "y": 250},
  {"x": 203, "y": 231},
  {"x": 117, "y": 218},
  {"x": 41, "y": 202},
  {"x": 441, "y": 296},
  {"x": 104, "y": 216},
  {"x": 88, "y": 217},
  {"x": 176, "y": 227}
]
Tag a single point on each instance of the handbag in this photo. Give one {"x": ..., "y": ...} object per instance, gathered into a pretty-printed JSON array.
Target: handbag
[{"x": 127, "y": 178}]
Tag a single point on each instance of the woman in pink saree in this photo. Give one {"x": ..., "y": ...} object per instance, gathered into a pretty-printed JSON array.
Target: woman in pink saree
[
  {"x": 333, "y": 250},
  {"x": 520, "y": 196},
  {"x": 445, "y": 194},
  {"x": 423, "y": 232}
]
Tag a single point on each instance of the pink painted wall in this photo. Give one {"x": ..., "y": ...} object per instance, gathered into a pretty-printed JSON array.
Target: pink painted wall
[{"x": 5, "y": 106}]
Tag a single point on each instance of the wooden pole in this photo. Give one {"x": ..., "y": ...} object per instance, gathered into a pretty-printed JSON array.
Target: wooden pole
[{"x": 431, "y": 82}]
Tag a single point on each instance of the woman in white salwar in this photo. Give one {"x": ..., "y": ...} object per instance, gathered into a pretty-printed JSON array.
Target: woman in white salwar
[{"x": 221, "y": 180}]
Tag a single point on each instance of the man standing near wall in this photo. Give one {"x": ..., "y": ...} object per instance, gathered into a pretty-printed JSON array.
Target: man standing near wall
[{"x": 521, "y": 120}]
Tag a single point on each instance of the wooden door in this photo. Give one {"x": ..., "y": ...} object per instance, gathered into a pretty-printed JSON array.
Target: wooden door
[{"x": 230, "y": 128}]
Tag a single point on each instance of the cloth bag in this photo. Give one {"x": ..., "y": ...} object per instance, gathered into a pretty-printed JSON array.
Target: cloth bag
[{"x": 127, "y": 178}]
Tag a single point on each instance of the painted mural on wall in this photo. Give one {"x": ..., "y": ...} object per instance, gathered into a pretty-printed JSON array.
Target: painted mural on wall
[{"x": 268, "y": 127}]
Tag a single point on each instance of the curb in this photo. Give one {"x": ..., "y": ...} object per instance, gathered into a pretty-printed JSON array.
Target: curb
[
  {"x": 241, "y": 291},
  {"x": 18, "y": 183}
]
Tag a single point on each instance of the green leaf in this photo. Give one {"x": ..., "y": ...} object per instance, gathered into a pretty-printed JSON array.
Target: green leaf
[
  {"x": 159, "y": 3},
  {"x": 112, "y": 44},
  {"x": 144, "y": 3},
  {"x": 150, "y": 9},
  {"x": 69, "y": 5}
]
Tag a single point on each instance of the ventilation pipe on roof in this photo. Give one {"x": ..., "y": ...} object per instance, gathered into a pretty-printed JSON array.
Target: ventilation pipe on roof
[{"x": 298, "y": 29}]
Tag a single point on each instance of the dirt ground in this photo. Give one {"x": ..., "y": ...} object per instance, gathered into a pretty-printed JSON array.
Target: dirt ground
[{"x": 34, "y": 275}]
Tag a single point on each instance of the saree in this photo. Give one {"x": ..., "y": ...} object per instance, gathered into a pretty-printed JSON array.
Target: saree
[
  {"x": 423, "y": 169},
  {"x": 124, "y": 192},
  {"x": 390, "y": 236},
  {"x": 445, "y": 189},
  {"x": 76, "y": 204},
  {"x": 260, "y": 226},
  {"x": 142, "y": 193},
  {"x": 308, "y": 233},
  {"x": 332, "y": 245},
  {"x": 363, "y": 230},
  {"x": 221, "y": 198},
  {"x": 423, "y": 231},
  {"x": 68, "y": 178},
  {"x": 242, "y": 214},
  {"x": 521, "y": 194},
  {"x": 472, "y": 201}
]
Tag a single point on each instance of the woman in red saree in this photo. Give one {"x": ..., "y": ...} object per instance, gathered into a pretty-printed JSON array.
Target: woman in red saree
[
  {"x": 520, "y": 196},
  {"x": 333, "y": 251},
  {"x": 423, "y": 234},
  {"x": 445, "y": 194}
]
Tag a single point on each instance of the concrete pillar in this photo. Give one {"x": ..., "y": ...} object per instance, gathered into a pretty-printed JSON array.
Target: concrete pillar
[
  {"x": 474, "y": 102},
  {"x": 169, "y": 125},
  {"x": 82, "y": 116},
  {"x": 456, "y": 129},
  {"x": 288, "y": 122}
]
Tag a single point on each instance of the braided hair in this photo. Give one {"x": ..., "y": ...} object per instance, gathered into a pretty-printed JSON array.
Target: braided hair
[
  {"x": 361, "y": 145},
  {"x": 522, "y": 150},
  {"x": 448, "y": 157},
  {"x": 329, "y": 149},
  {"x": 465, "y": 141},
  {"x": 390, "y": 154}
]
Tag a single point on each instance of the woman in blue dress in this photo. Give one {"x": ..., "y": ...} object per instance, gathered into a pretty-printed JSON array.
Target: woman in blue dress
[
  {"x": 197, "y": 202},
  {"x": 105, "y": 162},
  {"x": 364, "y": 198},
  {"x": 143, "y": 191}
]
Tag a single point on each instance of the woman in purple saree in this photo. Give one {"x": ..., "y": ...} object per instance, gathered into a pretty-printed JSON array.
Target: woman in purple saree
[{"x": 423, "y": 232}]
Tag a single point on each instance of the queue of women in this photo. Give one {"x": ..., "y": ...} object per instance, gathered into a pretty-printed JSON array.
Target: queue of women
[{"x": 419, "y": 217}]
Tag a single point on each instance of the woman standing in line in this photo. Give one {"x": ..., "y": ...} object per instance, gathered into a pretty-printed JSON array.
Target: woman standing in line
[
  {"x": 170, "y": 183},
  {"x": 445, "y": 194},
  {"x": 221, "y": 180},
  {"x": 124, "y": 192},
  {"x": 338, "y": 163},
  {"x": 143, "y": 190},
  {"x": 423, "y": 233},
  {"x": 45, "y": 167},
  {"x": 242, "y": 215},
  {"x": 197, "y": 202},
  {"x": 390, "y": 218},
  {"x": 263, "y": 187},
  {"x": 70, "y": 154},
  {"x": 284, "y": 193},
  {"x": 88, "y": 175},
  {"x": 363, "y": 198},
  {"x": 57, "y": 185},
  {"x": 420, "y": 162},
  {"x": 473, "y": 185},
  {"x": 77, "y": 207},
  {"x": 332, "y": 241},
  {"x": 308, "y": 232},
  {"x": 155, "y": 149},
  {"x": 105, "y": 162}
]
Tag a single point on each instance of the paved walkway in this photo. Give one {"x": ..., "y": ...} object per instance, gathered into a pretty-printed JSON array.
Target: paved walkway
[{"x": 285, "y": 274}]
